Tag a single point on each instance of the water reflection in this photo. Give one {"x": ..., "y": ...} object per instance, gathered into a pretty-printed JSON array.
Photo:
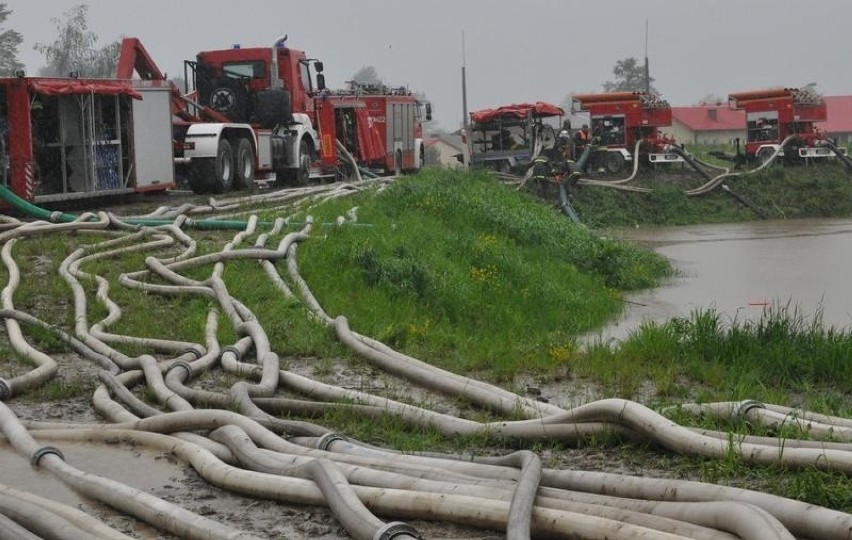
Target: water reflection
[{"x": 743, "y": 269}]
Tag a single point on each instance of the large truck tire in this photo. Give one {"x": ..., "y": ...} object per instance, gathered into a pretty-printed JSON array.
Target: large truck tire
[
  {"x": 244, "y": 164},
  {"x": 765, "y": 154},
  {"x": 614, "y": 162},
  {"x": 299, "y": 176},
  {"x": 213, "y": 175}
]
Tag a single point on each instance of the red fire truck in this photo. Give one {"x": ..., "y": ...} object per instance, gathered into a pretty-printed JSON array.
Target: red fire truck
[
  {"x": 254, "y": 112},
  {"x": 785, "y": 116},
  {"x": 618, "y": 120},
  {"x": 74, "y": 138},
  {"x": 381, "y": 125}
]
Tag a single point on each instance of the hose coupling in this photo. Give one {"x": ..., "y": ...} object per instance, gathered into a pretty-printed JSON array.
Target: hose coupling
[
  {"x": 396, "y": 529},
  {"x": 744, "y": 408},
  {"x": 5, "y": 389},
  {"x": 325, "y": 441},
  {"x": 181, "y": 364},
  {"x": 233, "y": 350},
  {"x": 36, "y": 456},
  {"x": 55, "y": 216},
  {"x": 196, "y": 350}
]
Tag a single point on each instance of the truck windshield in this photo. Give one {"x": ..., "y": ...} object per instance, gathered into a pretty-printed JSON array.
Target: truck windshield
[{"x": 254, "y": 70}]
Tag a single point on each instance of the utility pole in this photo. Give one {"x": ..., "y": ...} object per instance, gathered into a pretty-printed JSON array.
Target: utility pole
[
  {"x": 647, "y": 68},
  {"x": 465, "y": 119}
]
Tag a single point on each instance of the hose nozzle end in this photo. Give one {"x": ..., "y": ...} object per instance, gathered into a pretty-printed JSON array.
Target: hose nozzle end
[{"x": 398, "y": 530}]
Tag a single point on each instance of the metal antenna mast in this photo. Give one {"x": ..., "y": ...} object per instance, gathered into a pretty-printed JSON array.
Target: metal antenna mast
[
  {"x": 465, "y": 120},
  {"x": 647, "y": 68}
]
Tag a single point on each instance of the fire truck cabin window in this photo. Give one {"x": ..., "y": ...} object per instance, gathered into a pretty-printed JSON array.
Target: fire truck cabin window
[{"x": 253, "y": 70}]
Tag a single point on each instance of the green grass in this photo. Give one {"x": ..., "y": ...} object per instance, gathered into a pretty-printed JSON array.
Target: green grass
[
  {"x": 467, "y": 273},
  {"x": 822, "y": 190},
  {"x": 471, "y": 275},
  {"x": 780, "y": 356}
]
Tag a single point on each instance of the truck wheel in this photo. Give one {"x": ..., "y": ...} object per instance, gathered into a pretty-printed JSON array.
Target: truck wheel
[
  {"x": 300, "y": 176},
  {"x": 214, "y": 175},
  {"x": 614, "y": 162},
  {"x": 764, "y": 155},
  {"x": 345, "y": 173},
  {"x": 244, "y": 165}
]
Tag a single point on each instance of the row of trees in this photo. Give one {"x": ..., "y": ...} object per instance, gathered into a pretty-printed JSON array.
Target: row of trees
[{"x": 74, "y": 50}]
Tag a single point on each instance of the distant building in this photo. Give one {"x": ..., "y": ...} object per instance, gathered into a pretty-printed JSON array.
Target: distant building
[
  {"x": 707, "y": 124},
  {"x": 839, "y": 123},
  {"x": 443, "y": 150}
]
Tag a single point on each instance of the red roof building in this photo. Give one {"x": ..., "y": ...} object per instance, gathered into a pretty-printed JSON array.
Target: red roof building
[
  {"x": 839, "y": 123},
  {"x": 707, "y": 124}
]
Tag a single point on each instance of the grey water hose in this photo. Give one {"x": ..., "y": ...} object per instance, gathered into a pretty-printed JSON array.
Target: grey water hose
[
  {"x": 77, "y": 517},
  {"x": 339, "y": 495},
  {"x": 162, "y": 514},
  {"x": 46, "y": 366},
  {"x": 41, "y": 521},
  {"x": 483, "y": 513},
  {"x": 486, "y": 494},
  {"x": 820, "y": 426},
  {"x": 11, "y": 530}
]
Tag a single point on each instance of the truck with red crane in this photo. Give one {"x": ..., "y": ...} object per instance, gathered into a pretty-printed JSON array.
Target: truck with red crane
[
  {"x": 264, "y": 112},
  {"x": 780, "y": 123},
  {"x": 620, "y": 120}
]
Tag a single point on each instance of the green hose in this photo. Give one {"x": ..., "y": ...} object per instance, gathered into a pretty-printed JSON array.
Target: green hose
[{"x": 38, "y": 212}]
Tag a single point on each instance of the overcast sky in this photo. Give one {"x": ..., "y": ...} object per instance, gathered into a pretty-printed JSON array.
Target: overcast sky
[{"x": 516, "y": 50}]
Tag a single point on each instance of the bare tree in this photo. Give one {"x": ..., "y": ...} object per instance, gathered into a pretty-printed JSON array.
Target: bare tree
[
  {"x": 75, "y": 48},
  {"x": 9, "y": 42}
]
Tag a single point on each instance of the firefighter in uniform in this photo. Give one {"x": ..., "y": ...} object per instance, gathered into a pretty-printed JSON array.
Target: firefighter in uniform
[
  {"x": 581, "y": 139},
  {"x": 542, "y": 174}
]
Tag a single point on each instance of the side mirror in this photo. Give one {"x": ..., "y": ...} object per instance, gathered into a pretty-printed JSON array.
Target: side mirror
[
  {"x": 320, "y": 82},
  {"x": 318, "y": 66},
  {"x": 428, "y": 111}
]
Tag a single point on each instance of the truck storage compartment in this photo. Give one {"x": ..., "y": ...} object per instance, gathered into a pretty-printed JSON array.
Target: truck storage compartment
[{"x": 81, "y": 143}]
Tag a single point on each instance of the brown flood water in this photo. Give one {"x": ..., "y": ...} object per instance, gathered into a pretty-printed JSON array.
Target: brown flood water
[{"x": 742, "y": 269}]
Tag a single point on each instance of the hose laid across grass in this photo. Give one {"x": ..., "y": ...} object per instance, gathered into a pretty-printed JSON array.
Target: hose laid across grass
[{"x": 512, "y": 494}]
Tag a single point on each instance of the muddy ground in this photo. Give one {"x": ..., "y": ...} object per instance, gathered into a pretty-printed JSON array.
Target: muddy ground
[{"x": 166, "y": 477}]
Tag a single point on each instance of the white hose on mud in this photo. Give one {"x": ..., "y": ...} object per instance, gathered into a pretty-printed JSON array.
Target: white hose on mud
[{"x": 246, "y": 453}]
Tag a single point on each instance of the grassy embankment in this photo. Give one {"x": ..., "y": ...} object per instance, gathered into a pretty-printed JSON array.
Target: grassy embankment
[
  {"x": 822, "y": 190},
  {"x": 462, "y": 272},
  {"x": 440, "y": 228}
]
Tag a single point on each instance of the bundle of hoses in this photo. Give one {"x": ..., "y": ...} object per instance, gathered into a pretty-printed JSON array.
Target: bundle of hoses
[{"x": 255, "y": 438}]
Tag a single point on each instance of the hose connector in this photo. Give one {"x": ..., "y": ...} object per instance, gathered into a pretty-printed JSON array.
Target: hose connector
[
  {"x": 181, "y": 364},
  {"x": 396, "y": 529},
  {"x": 196, "y": 350},
  {"x": 233, "y": 350},
  {"x": 5, "y": 389},
  {"x": 744, "y": 408},
  {"x": 55, "y": 216},
  {"x": 36, "y": 456},
  {"x": 325, "y": 441}
]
